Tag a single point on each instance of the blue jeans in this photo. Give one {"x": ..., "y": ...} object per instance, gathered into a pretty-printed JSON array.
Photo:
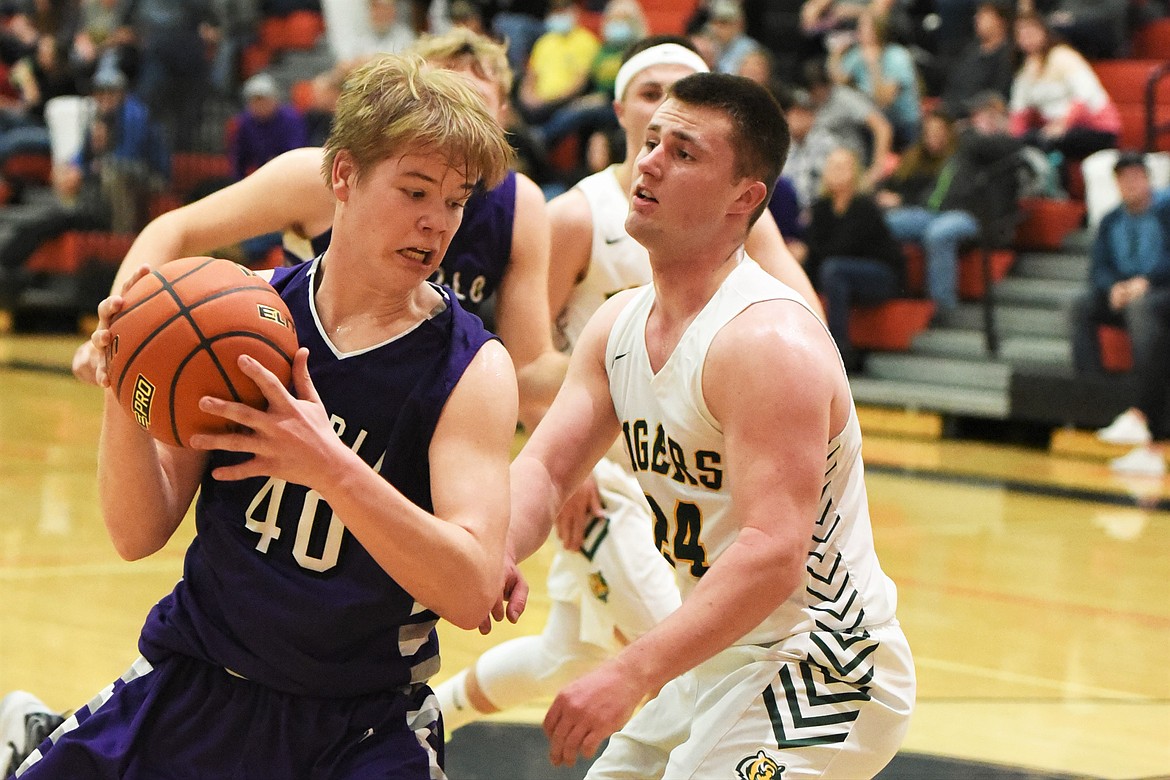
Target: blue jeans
[
  {"x": 845, "y": 281},
  {"x": 940, "y": 233},
  {"x": 520, "y": 30},
  {"x": 1148, "y": 322}
]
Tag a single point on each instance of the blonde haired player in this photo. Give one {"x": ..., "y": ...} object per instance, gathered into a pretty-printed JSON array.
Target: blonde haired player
[
  {"x": 608, "y": 584},
  {"x": 274, "y": 657},
  {"x": 502, "y": 247},
  {"x": 735, "y": 414}
]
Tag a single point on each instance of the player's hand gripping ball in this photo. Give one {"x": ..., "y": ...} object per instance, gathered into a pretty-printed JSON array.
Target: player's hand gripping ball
[{"x": 179, "y": 337}]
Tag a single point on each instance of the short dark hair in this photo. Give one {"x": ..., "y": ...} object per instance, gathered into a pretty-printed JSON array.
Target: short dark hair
[
  {"x": 759, "y": 130},
  {"x": 1129, "y": 159}
]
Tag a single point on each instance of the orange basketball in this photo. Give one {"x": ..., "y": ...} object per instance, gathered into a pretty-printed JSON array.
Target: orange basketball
[{"x": 179, "y": 337}]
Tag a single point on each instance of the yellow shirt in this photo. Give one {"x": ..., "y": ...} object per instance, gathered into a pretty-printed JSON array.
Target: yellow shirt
[{"x": 560, "y": 62}]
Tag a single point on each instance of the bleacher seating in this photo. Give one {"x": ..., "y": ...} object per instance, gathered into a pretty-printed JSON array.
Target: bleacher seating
[
  {"x": 1047, "y": 221},
  {"x": 1116, "y": 349},
  {"x": 1152, "y": 40},
  {"x": 890, "y": 326},
  {"x": 971, "y": 284},
  {"x": 1125, "y": 80},
  {"x": 299, "y": 30}
]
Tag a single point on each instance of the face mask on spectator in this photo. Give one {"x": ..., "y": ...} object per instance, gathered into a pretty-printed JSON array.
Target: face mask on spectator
[
  {"x": 560, "y": 23},
  {"x": 618, "y": 31}
]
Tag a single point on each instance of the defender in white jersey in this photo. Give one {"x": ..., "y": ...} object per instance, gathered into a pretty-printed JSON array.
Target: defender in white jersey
[
  {"x": 785, "y": 657},
  {"x": 608, "y": 584}
]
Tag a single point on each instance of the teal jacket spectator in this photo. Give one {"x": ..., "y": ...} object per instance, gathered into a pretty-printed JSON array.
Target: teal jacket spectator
[
  {"x": 135, "y": 138},
  {"x": 1129, "y": 245}
]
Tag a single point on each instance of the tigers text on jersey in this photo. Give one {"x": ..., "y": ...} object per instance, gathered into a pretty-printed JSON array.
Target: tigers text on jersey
[
  {"x": 676, "y": 448},
  {"x": 274, "y": 587}
]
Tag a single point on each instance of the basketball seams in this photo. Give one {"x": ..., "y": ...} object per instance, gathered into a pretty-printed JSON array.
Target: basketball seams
[
  {"x": 207, "y": 346},
  {"x": 184, "y": 309},
  {"x": 173, "y": 356}
]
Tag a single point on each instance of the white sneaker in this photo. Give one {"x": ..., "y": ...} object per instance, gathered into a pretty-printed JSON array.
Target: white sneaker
[
  {"x": 25, "y": 721},
  {"x": 1129, "y": 429},
  {"x": 1142, "y": 460}
]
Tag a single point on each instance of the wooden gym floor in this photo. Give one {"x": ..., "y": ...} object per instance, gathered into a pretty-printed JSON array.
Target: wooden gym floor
[{"x": 1033, "y": 585}]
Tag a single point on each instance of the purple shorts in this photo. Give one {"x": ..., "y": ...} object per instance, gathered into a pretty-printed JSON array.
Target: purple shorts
[{"x": 184, "y": 718}]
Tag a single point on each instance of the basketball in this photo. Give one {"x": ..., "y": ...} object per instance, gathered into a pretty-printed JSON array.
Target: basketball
[{"x": 179, "y": 336}]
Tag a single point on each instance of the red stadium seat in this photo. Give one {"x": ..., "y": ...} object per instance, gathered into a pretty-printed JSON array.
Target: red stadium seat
[
  {"x": 1152, "y": 40},
  {"x": 1047, "y": 221},
  {"x": 889, "y": 326},
  {"x": 302, "y": 29},
  {"x": 300, "y": 95},
  {"x": 1116, "y": 349},
  {"x": 971, "y": 285}
]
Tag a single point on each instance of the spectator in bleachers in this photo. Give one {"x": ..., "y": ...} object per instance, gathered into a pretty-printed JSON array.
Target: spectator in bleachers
[
  {"x": 385, "y": 31},
  {"x": 266, "y": 128},
  {"x": 851, "y": 118},
  {"x": 172, "y": 38},
  {"x": 124, "y": 159},
  {"x": 986, "y": 62},
  {"x": 18, "y": 38},
  {"x": 809, "y": 145},
  {"x": 911, "y": 183},
  {"x": 123, "y": 162},
  {"x": 852, "y": 258},
  {"x": 559, "y": 67},
  {"x": 975, "y": 195},
  {"x": 464, "y": 13},
  {"x": 1057, "y": 102},
  {"x": 319, "y": 115},
  {"x": 519, "y": 24},
  {"x": 359, "y": 29},
  {"x": 95, "y": 44},
  {"x": 820, "y": 17},
  {"x": 725, "y": 27},
  {"x": 38, "y": 78},
  {"x": 1129, "y": 286},
  {"x": 236, "y": 27},
  {"x": 883, "y": 71},
  {"x": 1096, "y": 28},
  {"x": 623, "y": 22}
]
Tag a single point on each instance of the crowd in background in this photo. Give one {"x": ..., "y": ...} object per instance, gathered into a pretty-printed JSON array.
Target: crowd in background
[{"x": 913, "y": 121}]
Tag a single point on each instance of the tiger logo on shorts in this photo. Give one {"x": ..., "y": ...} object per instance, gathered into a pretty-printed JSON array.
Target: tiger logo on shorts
[
  {"x": 761, "y": 766},
  {"x": 599, "y": 587}
]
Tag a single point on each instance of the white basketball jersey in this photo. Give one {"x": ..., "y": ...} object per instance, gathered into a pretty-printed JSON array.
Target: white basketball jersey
[
  {"x": 677, "y": 451},
  {"x": 617, "y": 262}
]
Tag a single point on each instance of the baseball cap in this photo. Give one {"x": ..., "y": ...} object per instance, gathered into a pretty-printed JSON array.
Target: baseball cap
[
  {"x": 726, "y": 10},
  {"x": 108, "y": 79},
  {"x": 260, "y": 85}
]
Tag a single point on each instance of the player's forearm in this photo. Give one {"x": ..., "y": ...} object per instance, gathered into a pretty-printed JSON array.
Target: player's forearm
[
  {"x": 538, "y": 383},
  {"x": 751, "y": 579},
  {"x": 453, "y": 568},
  {"x": 535, "y": 501},
  {"x": 140, "y": 505}
]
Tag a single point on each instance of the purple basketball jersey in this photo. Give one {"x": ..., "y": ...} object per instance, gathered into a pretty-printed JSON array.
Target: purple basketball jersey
[{"x": 274, "y": 587}]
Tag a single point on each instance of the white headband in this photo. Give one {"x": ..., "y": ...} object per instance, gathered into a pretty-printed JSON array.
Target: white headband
[{"x": 662, "y": 54}]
